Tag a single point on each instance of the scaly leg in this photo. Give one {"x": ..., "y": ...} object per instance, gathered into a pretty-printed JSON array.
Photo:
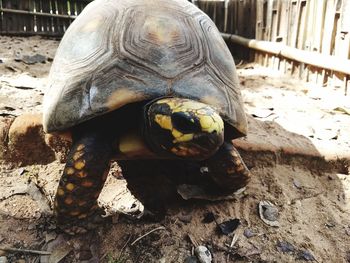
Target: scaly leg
[{"x": 82, "y": 180}]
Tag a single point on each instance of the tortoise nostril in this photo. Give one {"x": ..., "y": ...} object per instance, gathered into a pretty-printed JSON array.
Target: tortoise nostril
[{"x": 184, "y": 122}]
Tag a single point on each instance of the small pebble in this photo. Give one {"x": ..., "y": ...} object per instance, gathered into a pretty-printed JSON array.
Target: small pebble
[
  {"x": 248, "y": 233},
  {"x": 3, "y": 260},
  {"x": 347, "y": 231},
  {"x": 330, "y": 224},
  {"x": 306, "y": 255},
  {"x": 284, "y": 246},
  {"x": 297, "y": 184},
  {"x": 203, "y": 254},
  {"x": 229, "y": 226},
  {"x": 269, "y": 213}
]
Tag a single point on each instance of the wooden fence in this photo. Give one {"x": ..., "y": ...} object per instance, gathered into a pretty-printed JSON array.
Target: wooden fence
[
  {"x": 321, "y": 28},
  {"x": 39, "y": 17}
]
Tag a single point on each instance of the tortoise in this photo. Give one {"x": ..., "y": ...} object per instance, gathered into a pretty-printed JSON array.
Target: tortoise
[{"x": 142, "y": 81}]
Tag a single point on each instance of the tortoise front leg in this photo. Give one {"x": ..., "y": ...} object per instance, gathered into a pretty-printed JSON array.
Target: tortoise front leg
[
  {"x": 227, "y": 168},
  {"x": 83, "y": 178}
]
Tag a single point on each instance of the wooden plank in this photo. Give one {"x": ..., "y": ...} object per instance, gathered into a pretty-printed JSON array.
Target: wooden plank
[
  {"x": 268, "y": 20},
  {"x": 46, "y": 20},
  {"x": 328, "y": 30},
  {"x": 345, "y": 29},
  {"x": 283, "y": 22},
  {"x": 318, "y": 25},
  {"x": 293, "y": 23},
  {"x": 313, "y": 58},
  {"x": 259, "y": 20}
]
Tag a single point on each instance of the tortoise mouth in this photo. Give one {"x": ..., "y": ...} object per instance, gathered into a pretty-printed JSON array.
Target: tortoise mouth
[{"x": 182, "y": 128}]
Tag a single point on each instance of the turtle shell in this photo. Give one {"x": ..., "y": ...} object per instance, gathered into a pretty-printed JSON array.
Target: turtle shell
[{"x": 119, "y": 52}]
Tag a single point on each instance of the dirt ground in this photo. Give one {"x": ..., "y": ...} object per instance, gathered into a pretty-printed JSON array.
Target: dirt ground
[{"x": 297, "y": 150}]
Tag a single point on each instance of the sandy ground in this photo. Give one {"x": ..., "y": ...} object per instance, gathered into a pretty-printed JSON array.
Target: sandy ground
[{"x": 297, "y": 150}]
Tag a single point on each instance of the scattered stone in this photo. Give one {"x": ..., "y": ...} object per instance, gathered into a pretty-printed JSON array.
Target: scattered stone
[
  {"x": 268, "y": 213},
  {"x": 347, "y": 231},
  {"x": 329, "y": 224},
  {"x": 191, "y": 259},
  {"x": 22, "y": 171},
  {"x": 208, "y": 218},
  {"x": 229, "y": 226},
  {"x": 297, "y": 184},
  {"x": 30, "y": 60},
  {"x": 248, "y": 233},
  {"x": 306, "y": 255},
  {"x": 188, "y": 192},
  {"x": 263, "y": 113},
  {"x": 203, "y": 254},
  {"x": 285, "y": 247},
  {"x": 3, "y": 260}
]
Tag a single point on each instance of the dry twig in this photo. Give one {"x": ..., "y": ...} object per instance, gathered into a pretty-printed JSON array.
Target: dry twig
[
  {"x": 139, "y": 238},
  {"x": 38, "y": 252}
]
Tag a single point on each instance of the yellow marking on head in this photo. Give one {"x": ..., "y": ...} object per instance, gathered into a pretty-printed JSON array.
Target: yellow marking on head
[
  {"x": 80, "y": 147},
  {"x": 77, "y": 155},
  {"x": 176, "y": 134},
  {"x": 70, "y": 186},
  {"x": 87, "y": 183},
  {"x": 205, "y": 122},
  {"x": 80, "y": 164},
  {"x": 82, "y": 174},
  {"x": 69, "y": 171},
  {"x": 164, "y": 121},
  {"x": 211, "y": 123},
  {"x": 68, "y": 201},
  {"x": 60, "y": 192}
]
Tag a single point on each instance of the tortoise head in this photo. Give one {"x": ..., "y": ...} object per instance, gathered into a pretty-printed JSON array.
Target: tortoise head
[{"x": 184, "y": 128}]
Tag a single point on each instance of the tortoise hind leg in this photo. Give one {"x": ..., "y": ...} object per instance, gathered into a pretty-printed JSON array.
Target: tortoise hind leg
[
  {"x": 83, "y": 178},
  {"x": 227, "y": 169}
]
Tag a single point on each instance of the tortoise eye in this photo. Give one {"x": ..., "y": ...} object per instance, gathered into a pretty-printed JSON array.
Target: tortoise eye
[{"x": 184, "y": 123}]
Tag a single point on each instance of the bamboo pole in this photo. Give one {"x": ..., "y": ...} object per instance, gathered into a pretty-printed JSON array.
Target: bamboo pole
[
  {"x": 312, "y": 58},
  {"x": 15, "y": 11}
]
